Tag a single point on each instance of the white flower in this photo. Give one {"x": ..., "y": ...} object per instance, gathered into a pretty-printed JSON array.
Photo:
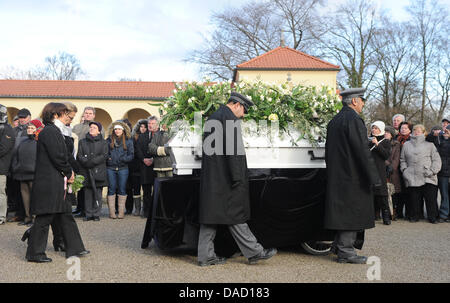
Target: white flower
[
  {"x": 190, "y": 100},
  {"x": 249, "y": 97},
  {"x": 315, "y": 115},
  {"x": 269, "y": 99},
  {"x": 262, "y": 97},
  {"x": 273, "y": 117},
  {"x": 174, "y": 91},
  {"x": 166, "y": 105}
]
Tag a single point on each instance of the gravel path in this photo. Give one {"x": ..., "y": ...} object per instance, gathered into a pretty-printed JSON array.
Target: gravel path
[{"x": 408, "y": 252}]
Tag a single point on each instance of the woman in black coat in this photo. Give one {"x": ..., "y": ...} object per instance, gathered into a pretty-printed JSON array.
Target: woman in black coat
[
  {"x": 381, "y": 150},
  {"x": 134, "y": 166},
  {"x": 146, "y": 170},
  {"x": 92, "y": 155},
  {"x": 53, "y": 173}
]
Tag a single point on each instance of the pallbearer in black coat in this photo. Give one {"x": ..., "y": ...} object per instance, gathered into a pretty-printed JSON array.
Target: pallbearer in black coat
[
  {"x": 49, "y": 188},
  {"x": 224, "y": 190},
  {"x": 351, "y": 173}
]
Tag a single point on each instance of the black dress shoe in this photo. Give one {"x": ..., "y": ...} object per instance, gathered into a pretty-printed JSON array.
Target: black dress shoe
[
  {"x": 96, "y": 218},
  {"x": 40, "y": 260},
  {"x": 265, "y": 254},
  {"x": 353, "y": 260},
  {"x": 213, "y": 261},
  {"x": 83, "y": 253},
  {"x": 88, "y": 218}
]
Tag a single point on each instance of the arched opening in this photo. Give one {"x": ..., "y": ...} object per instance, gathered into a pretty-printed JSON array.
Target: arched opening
[
  {"x": 135, "y": 114},
  {"x": 104, "y": 118},
  {"x": 12, "y": 112}
]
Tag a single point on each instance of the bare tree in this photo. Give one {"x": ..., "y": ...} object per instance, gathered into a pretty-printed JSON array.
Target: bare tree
[
  {"x": 428, "y": 20},
  {"x": 63, "y": 66},
  {"x": 346, "y": 37},
  {"x": 244, "y": 33},
  {"x": 397, "y": 66}
]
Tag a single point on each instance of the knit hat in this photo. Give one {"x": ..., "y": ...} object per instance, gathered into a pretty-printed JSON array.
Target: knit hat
[
  {"x": 37, "y": 123},
  {"x": 118, "y": 126},
  {"x": 99, "y": 125},
  {"x": 380, "y": 125}
]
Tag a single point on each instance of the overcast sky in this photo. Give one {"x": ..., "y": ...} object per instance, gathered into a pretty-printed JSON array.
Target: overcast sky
[{"x": 114, "y": 39}]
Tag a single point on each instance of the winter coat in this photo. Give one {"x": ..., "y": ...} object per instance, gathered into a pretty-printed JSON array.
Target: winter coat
[
  {"x": 142, "y": 152},
  {"x": 394, "y": 162},
  {"x": 419, "y": 162},
  {"x": 443, "y": 147},
  {"x": 160, "y": 154},
  {"x": 134, "y": 166},
  {"x": 92, "y": 155},
  {"x": 380, "y": 154},
  {"x": 70, "y": 148},
  {"x": 7, "y": 140},
  {"x": 118, "y": 157},
  {"x": 24, "y": 160},
  {"x": 224, "y": 187},
  {"x": 52, "y": 165},
  {"x": 351, "y": 174}
]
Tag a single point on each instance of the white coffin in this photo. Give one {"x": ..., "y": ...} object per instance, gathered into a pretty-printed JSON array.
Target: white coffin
[{"x": 262, "y": 151}]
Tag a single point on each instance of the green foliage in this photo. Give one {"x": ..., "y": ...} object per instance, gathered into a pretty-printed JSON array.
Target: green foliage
[
  {"x": 307, "y": 109},
  {"x": 77, "y": 184}
]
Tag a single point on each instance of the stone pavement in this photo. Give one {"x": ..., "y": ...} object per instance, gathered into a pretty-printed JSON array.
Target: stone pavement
[{"x": 408, "y": 252}]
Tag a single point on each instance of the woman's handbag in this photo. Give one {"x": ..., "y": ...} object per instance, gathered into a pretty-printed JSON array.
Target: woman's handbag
[{"x": 99, "y": 174}]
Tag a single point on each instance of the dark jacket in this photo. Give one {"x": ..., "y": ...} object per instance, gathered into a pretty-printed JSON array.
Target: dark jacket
[
  {"x": 142, "y": 152},
  {"x": 118, "y": 157},
  {"x": 52, "y": 165},
  {"x": 224, "y": 189},
  {"x": 394, "y": 162},
  {"x": 92, "y": 155},
  {"x": 160, "y": 154},
  {"x": 380, "y": 154},
  {"x": 70, "y": 148},
  {"x": 443, "y": 147},
  {"x": 134, "y": 166},
  {"x": 351, "y": 173},
  {"x": 7, "y": 140},
  {"x": 24, "y": 160}
]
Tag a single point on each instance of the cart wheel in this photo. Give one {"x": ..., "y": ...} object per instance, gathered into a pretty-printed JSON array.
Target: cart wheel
[{"x": 318, "y": 248}]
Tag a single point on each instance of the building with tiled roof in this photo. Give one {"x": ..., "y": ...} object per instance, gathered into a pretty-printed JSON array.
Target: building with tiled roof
[
  {"x": 115, "y": 100},
  {"x": 286, "y": 64},
  {"x": 112, "y": 100}
]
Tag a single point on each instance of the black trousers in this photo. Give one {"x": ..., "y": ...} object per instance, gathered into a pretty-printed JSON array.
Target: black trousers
[
  {"x": 80, "y": 201},
  {"x": 416, "y": 195},
  {"x": 65, "y": 224}
]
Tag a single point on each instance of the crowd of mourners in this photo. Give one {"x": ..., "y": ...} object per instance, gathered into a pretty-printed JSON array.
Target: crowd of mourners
[
  {"x": 126, "y": 162},
  {"x": 414, "y": 163},
  {"x": 416, "y": 166}
]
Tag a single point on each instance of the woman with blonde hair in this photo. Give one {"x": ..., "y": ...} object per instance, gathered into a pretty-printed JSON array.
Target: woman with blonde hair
[{"x": 420, "y": 163}]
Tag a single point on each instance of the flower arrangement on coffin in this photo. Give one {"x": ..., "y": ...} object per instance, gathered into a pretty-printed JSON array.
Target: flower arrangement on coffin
[{"x": 305, "y": 109}]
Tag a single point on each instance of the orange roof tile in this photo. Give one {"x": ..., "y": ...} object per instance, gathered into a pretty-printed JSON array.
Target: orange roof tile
[
  {"x": 286, "y": 58},
  {"x": 86, "y": 89}
]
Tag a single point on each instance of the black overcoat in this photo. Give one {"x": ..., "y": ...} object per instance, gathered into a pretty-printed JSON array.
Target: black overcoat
[
  {"x": 92, "y": 155},
  {"x": 351, "y": 173},
  {"x": 52, "y": 165},
  {"x": 224, "y": 189},
  {"x": 142, "y": 152},
  {"x": 380, "y": 154}
]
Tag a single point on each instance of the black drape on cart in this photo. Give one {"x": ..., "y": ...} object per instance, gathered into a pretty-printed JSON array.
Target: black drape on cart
[{"x": 287, "y": 208}]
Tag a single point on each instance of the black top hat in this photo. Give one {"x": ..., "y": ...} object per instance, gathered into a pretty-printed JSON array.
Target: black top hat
[{"x": 237, "y": 97}]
